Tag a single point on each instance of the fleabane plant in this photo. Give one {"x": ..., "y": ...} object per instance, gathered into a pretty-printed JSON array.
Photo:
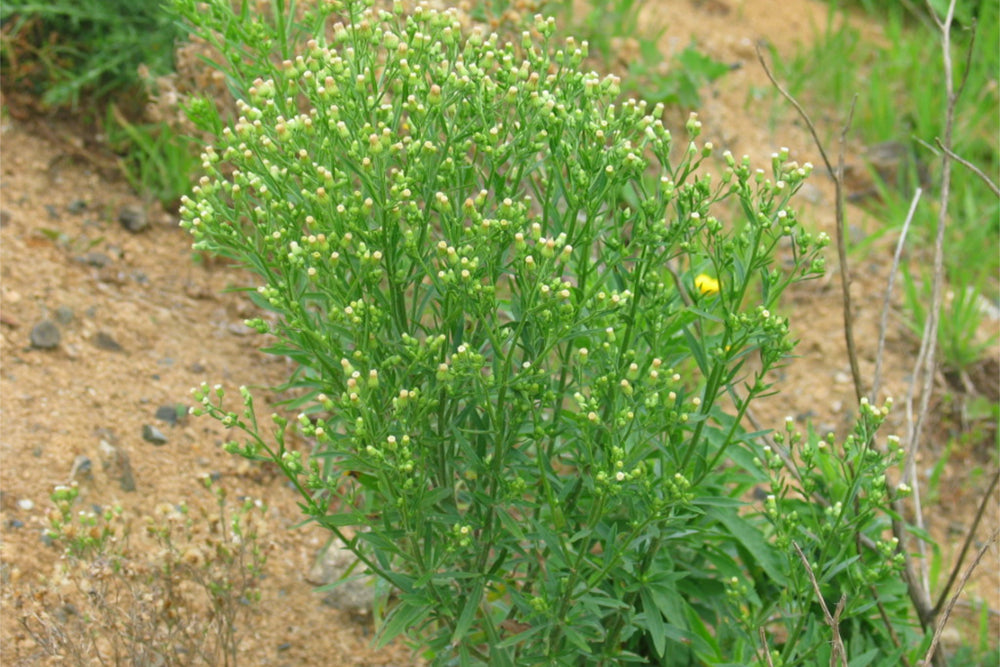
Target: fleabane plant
[{"x": 522, "y": 312}]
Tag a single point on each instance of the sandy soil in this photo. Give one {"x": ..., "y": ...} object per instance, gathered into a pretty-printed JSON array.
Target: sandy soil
[{"x": 142, "y": 322}]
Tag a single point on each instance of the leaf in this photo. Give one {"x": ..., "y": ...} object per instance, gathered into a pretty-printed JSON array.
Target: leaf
[
  {"x": 654, "y": 621},
  {"x": 718, "y": 501},
  {"x": 753, "y": 540},
  {"x": 468, "y": 613},
  {"x": 403, "y": 618},
  {"x": 694, "y": 345},
  {"x": 865, "y": 658}
]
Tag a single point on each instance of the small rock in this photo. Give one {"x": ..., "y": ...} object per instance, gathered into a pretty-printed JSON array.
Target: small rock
[
  {"x": 64, "y": 315},
  {"x": 109, "y": 453},
  {"x": 116, "y": 461},
  {"x": 15, "y": 523},
  {"x": 153, "y": 435},
  {"x": 169, "y": 413},
  {"x": 77, "y": 206},
  {"x": 81, "y": 467},
  {"x": 104, "y": 341},
  {"x": 133, "y": 219},
  {"x": 26, "y": 504},
  {"x": 96, "y": 259},
  {"x": 127, "y": 479},
  {"x": 45, "y": 335},
  {"x": 51, "y": 210},
  {"x": 197, "y": 368},
  {"x": 356, "y": 593}
]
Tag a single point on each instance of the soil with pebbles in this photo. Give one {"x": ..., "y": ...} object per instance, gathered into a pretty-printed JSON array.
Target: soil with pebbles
[{"x": 108, "y": 321}]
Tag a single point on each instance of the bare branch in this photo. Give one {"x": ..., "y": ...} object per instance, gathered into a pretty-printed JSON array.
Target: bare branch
[
  {"x": 763, "y": 643},
  {"x": 838, "y": 182},
  {"x": 968, "y": 62},
  {"x": 883, "y": 323},
  {"x": 971, "y": 167},
  {"x": 943, "y": 620},
  {"x": 838, "y": 654},
  {"x": 987, "y": 497}
]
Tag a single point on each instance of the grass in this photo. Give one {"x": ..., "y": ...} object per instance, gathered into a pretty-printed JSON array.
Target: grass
[
  {"x": 156, "y": 160},
  {"x": 900, "y": 99},
  {"x": 67, "y": 50},
  {"x": 620, "y": 41},
  {"x": 83, "y": 55}
]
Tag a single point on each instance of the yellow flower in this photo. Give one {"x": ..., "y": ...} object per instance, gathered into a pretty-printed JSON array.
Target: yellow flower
[{"x": 706, "y": 284}]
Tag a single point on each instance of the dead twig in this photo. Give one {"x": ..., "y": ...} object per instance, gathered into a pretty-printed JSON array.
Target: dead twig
[
  {"x": 943, "y": 619},
  {"x": 763, "y": 643},
  {"x": 838, "y": 654},
  {"x": 971, "y": 167},
  {"x": 883, "y": 322},
  {"x": 838, "y": 183},
  {"x": 968, "y": 542},
  {"x": 925, "y": 368}
]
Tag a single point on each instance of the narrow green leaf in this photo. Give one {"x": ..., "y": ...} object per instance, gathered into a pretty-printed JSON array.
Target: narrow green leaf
[
  {"x": 468, "y": 614},
  {"x": 654, "y": 621},
  {"x": 753, "y": 540},
  {"x": 402, "y": 619}
]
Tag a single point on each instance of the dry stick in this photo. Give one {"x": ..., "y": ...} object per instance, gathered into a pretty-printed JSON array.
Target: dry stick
[
  {"x": 838, "y": 183},
  {"x": 926, "y": 367},
  {"x": 968, "y": 542},
  {"x": 763, "y": 643},
  {"x": 971, "y": 167},
  {"x": 883, "y": 323},
  {"x": 833, "y": 621},
  {"x": 943, "y": 620}
]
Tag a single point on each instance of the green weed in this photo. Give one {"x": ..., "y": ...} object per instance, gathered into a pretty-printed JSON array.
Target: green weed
[
  {"x": 900, "y": 102},
  {"x": 156, "y": 160},
  {"x": 65, "y": 49}
]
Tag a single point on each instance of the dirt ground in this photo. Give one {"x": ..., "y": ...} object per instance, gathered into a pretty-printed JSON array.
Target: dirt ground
[{"x": 141, "y": 323}]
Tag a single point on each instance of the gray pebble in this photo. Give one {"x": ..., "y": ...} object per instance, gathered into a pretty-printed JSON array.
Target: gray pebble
[
  {"x": 168, "y": 414},
  {"x": 45, "y": 335},
  {"x": 81, "y": 468},
  {"x": 104, "y": 341},
  {"x": 64, "y": 315},
  {"x": 133, "y": 219},
  {"x": 153, "y": 435},
  {"x": 127, "y": 479},
  {"x": 77, "y": 206},
  {"x": 354, "y": 592},
  {"x": 96, "y": 259}
]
